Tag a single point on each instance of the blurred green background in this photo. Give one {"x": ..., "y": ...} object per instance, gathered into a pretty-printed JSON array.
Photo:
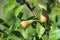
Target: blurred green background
[
  {"x": 2, "y": 3},
  {"x": 12, "y": 21}
]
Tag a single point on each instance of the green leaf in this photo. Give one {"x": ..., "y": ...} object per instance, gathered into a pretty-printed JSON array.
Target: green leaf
[
  {"x": 17, "y": 23},
  {"x": 45, "y": 37},
  {"x": 54, "y": 34},
  {"x": 2, "y": 27},
  {"x": 25, "y": 33},
  {"x": 38, "y": 11},
  {"x": 34, "y": 38},
  {"x": 18, "y": 10},
  {"x": 55, "y": 12},
  {"x": 26, "y": 13},
  {"x": 42, "y": 4},
  {"x": 9, "y": 18},
  {"x": 10, "y": 1},
  {"x": 9, "y": 6},
  {"x": 40, "y": 30},
  {"x": 34, "y": 2},
  {"x": 31, "y": 30},
  {"x": 11, "y": 35}
]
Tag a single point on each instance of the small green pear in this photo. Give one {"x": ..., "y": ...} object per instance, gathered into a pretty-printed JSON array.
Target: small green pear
[{"x": 43, "y": 18}]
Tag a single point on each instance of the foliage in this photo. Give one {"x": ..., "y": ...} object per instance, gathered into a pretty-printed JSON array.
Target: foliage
[{"x": 30, "y": 20}]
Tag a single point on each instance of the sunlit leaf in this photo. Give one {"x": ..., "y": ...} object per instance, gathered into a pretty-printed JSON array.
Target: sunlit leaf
[
  {"x": 18, "y": 10},
  {"x": 34, "y": 2},
  {"x": 17, "y": 23},
  {"x": 10, "y": 1},
  {"x": 9, "y": 6},
  {"x": 55, "y": 34},
  {"x": 25, "y": 33},
  {"x": 40, "y": 30}
]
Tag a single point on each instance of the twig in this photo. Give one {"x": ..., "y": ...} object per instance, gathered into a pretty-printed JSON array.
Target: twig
[{"x": 31, "y": 8}]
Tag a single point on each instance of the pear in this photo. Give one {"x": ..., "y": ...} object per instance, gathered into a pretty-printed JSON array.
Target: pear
[
  {"x": 25, "y": 23},
  {"x": 43, "y": 18}
]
